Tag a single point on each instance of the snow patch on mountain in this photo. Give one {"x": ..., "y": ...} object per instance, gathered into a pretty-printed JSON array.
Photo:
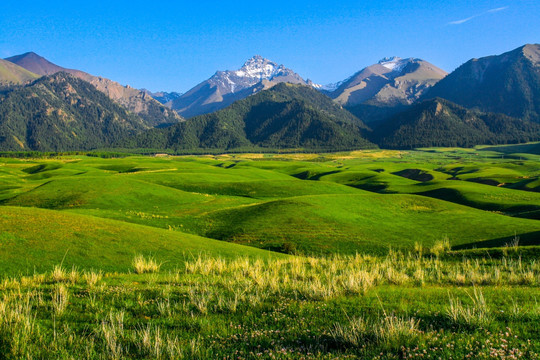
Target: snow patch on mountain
[
  {"x": 334, "y": 86},
  {"x": 394, "y": 63},
  {"x": 259, "y": 68}
]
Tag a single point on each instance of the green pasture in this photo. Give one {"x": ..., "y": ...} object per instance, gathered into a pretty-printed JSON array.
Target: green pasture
[{"x": 362, "y": 201}]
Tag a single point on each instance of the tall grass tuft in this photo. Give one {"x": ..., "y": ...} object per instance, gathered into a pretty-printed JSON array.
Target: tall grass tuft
[
  {"x": 60, "y": 299},
  {"x": 92, "y": 278},
  {"x": 145, "y": 265},
  {"x": 112, "y": 331},
  {"x": 59, "y": 274},
  {"x": 440, "y": 247},
  {"x": 388, "y": 330},
  {"x": 476, "y": 314}
]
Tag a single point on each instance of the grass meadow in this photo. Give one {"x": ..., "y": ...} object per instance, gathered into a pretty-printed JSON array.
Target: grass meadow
[
  {"x": 370, "y": 254},
  {"x": 344, "y": 306}
]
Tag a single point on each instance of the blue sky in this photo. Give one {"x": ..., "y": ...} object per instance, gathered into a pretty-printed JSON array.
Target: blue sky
[{"x": 173, "y": 46}]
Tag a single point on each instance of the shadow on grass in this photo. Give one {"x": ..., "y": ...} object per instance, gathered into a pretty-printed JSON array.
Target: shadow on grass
[{"x": 526, "y": 239}]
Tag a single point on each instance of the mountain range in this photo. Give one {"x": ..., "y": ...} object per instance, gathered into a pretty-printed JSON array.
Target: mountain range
[
  {"x": 166, "y": 98},
  {"x": 507, "y": 84},
  {"x": 285, "y": 116},
  {"x": 395, "y": 103},
  {"x": 226, "y": 87},
  {"x": 134, "y": 100},
  {"x": 392, "y": 81},
  {"x": 60, "y": 112}
]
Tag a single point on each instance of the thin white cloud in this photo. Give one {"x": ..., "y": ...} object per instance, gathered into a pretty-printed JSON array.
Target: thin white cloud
[
  {"x": 490, "y": 11},
  {"x": 457, "y": 22},
  {"x": 497, "y": 9}
]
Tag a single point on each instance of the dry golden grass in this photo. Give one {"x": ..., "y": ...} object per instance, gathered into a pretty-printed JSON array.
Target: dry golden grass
[{"x": 143, "y": 265}]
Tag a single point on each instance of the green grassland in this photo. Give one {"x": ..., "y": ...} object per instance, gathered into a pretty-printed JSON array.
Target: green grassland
[
  {"x": 36, "y": 239},
  {"x": 367, "y": 201},
  {"x": 366, "y": 254}
]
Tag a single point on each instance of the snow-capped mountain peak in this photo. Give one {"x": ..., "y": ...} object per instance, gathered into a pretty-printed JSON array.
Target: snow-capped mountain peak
[
  {"x": 251, "y": 73},
  {"x": 259, "y": 68}
]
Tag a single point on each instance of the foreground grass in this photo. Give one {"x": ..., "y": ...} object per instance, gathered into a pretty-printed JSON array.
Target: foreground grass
[{"x": 399, "y": 306}]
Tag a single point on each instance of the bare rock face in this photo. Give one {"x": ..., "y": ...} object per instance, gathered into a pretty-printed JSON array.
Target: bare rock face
[
  {"x": 390, "y": 82},
  {"x": 226, "y": 87},
  {"x": 136, "y": 101}
]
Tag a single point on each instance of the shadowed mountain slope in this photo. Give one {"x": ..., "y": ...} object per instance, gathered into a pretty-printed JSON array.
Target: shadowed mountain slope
[
  {"x": 439, "y": 122},
  {"x": 61, "y": 112}
]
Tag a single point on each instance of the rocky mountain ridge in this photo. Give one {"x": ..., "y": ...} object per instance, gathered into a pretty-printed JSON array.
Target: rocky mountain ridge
[{"x": 132, "y": 99}]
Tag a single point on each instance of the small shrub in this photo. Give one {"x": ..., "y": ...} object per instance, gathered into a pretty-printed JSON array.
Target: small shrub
[{"x": 289, "y": 248}]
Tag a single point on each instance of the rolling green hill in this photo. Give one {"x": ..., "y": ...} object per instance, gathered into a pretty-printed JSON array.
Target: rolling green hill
[
  {"x": 36, "y": 240},
  {"x": 531, "y": 148},
  {"x": 371, "y": 222},
  {"x": 363, "y": 201}
]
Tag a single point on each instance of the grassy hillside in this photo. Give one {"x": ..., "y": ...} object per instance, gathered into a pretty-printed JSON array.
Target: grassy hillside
[
  {"x": 417, "y": 253},
  {"x": 36, "y": 240},
  {"x": 531, "y": 148},
  {"x": 365, "y": 222},
  {"x": 358, "y": 307},
  {"x": 11, "y": 74}
]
